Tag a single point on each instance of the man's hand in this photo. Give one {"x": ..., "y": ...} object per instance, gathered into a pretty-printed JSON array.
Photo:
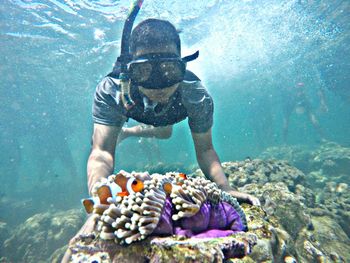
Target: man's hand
[
  {"x": 245, "y": 198},
  {"x": 241, "y": 197},
  {"x": 86, "y": 232},
  {"x": 101, "y": 159},
  {"x": 210, "y": 164}
]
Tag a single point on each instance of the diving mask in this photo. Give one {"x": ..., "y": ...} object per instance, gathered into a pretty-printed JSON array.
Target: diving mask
[{"x": 158, "y": 71}]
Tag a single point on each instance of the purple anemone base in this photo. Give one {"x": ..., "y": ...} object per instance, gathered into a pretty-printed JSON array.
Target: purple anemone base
[{"x": 211, "y": 221}]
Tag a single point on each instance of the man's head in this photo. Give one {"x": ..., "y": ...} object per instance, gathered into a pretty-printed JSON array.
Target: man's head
[
  {"x": 157, "y": 67},
  {"x": 155, "y": 35}
]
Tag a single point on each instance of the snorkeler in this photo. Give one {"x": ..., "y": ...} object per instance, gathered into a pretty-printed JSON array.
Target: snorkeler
[
  {"x": 159, "y": 93},
  {"x": 153, "y": 87},
  {"x": 296, "y": 100}
]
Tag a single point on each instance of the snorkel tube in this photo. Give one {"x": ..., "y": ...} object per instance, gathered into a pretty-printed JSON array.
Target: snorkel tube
[{"x": 125, "y": 56}]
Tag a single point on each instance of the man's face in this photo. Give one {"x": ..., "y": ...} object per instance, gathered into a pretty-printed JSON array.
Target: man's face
[
  {"x": 156, "y": 94},
  {"x": 159, "y": 95}
]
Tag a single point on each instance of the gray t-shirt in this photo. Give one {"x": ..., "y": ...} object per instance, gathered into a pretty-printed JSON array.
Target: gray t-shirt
[{"x": 190, "y": 100}]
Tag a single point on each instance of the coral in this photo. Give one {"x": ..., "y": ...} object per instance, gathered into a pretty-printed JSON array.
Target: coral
[
  {"x": 325, "y": 188},
  {"x": 290, "y": 206},
  {"x": 279, "y": 202},
  {"x": 204, "y": 250},
  {"x": 334, "y": 161},
  {"x": 101, "y": 257},
  {"x": 299, "y": 156},
  {"x": 258, "y": 225},
  {"x": 334, "y": 201},
  {"x": 327, "y": 242},
  {"x": 286, "y": 228},
  {"x": 329, "y": 162},
  {"x": 165, "y": 249},
  {"x": 261, "y": 172},
  {"x": 274, "y": 225},
  {"x": 39, "y": 236}
]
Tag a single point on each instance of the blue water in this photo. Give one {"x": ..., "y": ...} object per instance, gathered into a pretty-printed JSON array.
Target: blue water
[{"x": 54, "y": 52}]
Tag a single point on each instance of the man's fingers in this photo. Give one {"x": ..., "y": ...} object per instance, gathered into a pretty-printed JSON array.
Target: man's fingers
[
  {"x": 255, "y": 201},
  {"x": 245, "y": 198},
  {"x": 86, "y": 230}
]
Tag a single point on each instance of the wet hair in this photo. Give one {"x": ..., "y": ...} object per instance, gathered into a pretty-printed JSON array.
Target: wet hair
[{"x": 153, "y": 33}]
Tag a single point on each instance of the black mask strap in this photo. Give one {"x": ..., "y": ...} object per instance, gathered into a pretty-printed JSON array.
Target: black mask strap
[{"x": 191, "y": 57}]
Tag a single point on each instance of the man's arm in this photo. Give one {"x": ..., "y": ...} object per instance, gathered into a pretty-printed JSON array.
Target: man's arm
[
  {"x": 146, "y": 131},
  {"x": 210, "y": 164},
  {"x": 101, "y": 160},
  {"x": 208, "y": 160},
  {"x": 100, "y": 164}
]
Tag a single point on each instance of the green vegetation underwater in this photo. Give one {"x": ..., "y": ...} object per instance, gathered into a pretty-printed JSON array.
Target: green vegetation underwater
[{"x": 279, "y": 75}]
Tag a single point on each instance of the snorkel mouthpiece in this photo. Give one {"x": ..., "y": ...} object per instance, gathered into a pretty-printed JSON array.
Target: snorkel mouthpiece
[{"x": 125, "y": 89}]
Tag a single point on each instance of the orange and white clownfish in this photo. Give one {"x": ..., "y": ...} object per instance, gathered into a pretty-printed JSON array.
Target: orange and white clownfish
[
  {"x": 167, "y": 187},
  {"x": 103, "y": 193},
  {"x": 121, "y": 186},
  {"x": 89, "y": 203},
  {"x": 183, "y": 177}
]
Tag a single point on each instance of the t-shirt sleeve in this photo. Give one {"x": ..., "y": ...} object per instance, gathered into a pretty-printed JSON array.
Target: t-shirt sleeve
[
  {"x": 199, "y": 105},
  {"x": 106, "y": 108}
]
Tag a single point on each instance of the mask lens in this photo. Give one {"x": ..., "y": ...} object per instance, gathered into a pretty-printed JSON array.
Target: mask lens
[
  {"x": 171, "y": 70},
  {"x": 157, "y": 72},
  {"x": 140, "y": 72}
]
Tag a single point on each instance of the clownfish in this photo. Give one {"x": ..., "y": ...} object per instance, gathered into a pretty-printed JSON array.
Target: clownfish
[
  {"x": 124, "y": 186},
  {"x": 183, "y": 177},
  {"x": 167, "y": 187},
  {"x": 89, "y": 203},
  {"x": 121, "y": 186}
]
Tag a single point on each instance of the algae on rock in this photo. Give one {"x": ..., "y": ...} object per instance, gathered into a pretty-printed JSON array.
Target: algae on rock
[{"x": 40, "y": 235}]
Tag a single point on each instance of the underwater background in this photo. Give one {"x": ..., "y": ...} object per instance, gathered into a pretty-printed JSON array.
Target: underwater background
[{"x": 253, "y": 55}]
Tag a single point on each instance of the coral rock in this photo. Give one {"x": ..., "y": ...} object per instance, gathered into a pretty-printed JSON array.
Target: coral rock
[{"x": 39, "y": 236}]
